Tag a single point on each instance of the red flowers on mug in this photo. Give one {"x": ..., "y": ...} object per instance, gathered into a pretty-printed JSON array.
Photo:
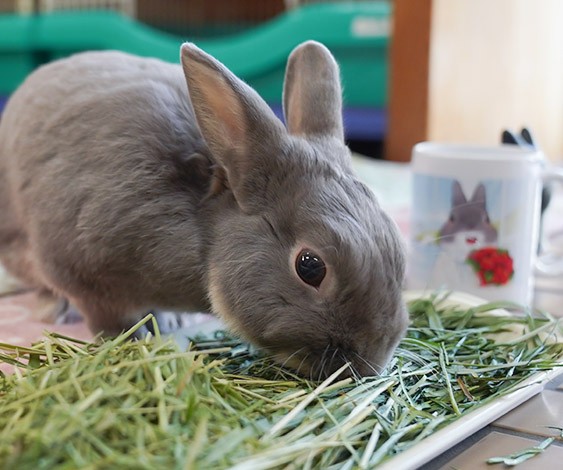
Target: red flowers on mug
[{"x": 492, "y": 265}]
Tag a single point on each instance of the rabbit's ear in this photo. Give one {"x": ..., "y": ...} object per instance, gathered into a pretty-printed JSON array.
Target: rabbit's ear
[
  {"x": 312, "y": 95},
  {"x": 458, "y": 198},
  {"x": 238, "y": 126},
  {"x": 508, "y": 137},
  {"x": 527, "y": 136},
  {"x": 480, "y": 194}
]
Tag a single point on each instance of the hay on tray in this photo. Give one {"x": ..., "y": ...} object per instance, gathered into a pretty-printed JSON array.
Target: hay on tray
[{"x": 123, "y": 404}]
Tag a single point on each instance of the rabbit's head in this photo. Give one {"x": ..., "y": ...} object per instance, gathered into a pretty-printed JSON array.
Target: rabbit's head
[
  {"x": 303, "y": 262},
  {"x": 468, "y": 225}
]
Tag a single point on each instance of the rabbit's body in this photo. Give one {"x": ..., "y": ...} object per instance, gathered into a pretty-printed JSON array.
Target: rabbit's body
[
  {"x": 126, "y": 190},
  {"x": 121, "y": 195},
  {"x": 451, "y": 267}
]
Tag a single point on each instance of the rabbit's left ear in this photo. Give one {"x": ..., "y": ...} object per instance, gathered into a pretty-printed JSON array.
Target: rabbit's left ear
[
  {"x": 509, "y": 137},
  {"x": 312, "y": 94}
]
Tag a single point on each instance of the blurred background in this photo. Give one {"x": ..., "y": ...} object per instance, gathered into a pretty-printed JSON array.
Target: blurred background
[{"x": 412, "y": 70}]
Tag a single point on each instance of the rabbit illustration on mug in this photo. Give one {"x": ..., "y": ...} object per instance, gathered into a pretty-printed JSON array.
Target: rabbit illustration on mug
[
  {"x": 130, "y": 185},
  {"x": 468, "y": 228}
]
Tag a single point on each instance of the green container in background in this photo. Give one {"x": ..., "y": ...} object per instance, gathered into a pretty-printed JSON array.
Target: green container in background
[
  {"x": 16, "y": 50},
  {"x": 357, "y": 33}
]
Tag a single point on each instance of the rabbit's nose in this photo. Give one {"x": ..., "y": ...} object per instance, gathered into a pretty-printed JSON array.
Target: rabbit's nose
[{"x": 471, "y": 240}]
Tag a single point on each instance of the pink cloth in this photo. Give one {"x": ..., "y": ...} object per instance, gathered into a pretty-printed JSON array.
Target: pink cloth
[{"x": 19, "y": 328}]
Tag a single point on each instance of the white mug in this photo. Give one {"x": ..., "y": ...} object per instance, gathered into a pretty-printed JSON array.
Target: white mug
[{"x": 475, "y": 218}]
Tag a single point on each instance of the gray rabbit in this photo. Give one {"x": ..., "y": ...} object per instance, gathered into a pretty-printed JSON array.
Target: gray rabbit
[
  {"x": 124, "y": 191},
  {"x": 467, "y": 228}
]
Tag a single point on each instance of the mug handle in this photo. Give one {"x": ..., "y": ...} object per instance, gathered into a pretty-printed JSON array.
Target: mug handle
[{"x": 550, "y": 264}]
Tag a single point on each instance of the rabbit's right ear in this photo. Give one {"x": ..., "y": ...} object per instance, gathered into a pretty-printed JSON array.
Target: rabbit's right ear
[
  {"x": 479, "y": 194},
  {"x": 312, "y": 95},
  {"x": 239, "y": 127},
  {"x": 528, "y": 138}
]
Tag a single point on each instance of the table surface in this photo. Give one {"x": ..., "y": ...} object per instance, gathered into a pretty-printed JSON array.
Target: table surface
[{"x": 523, "y": 427}]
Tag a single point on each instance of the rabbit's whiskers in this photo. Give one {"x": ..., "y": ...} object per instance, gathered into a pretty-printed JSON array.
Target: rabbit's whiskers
[
  {"x": 323, "y": 361},
  {"x": 291, "y": 356},
  {"x": 437, "y": 239},
  {"x": 298, "y": 371},
  {"x": 368, "y": 364}
]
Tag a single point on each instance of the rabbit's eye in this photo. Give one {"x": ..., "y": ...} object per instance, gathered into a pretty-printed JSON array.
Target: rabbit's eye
[
  {"x": 452, "y": 218},
  {"x": 310, "y": 268}
]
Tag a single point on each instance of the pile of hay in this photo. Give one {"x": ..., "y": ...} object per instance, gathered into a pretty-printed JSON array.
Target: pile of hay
[{"x": 125, "y": 404}]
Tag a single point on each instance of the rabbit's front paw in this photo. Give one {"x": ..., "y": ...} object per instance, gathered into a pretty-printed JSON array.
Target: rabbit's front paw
[
  {"x": 69, "y": 315},
  {"x": 168, "y": 323}
]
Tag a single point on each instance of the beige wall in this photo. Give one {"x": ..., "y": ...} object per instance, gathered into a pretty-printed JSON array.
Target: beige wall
[{"x": 496, "y": 64}]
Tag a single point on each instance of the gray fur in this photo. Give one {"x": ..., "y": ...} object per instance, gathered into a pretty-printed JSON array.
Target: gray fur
[{"x": 112, "y": 198}]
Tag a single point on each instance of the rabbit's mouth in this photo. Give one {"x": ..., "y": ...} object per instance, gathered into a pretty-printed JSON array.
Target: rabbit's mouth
[
  {"x": 471, "y": 240},
  {"x": 317, "y": 366}
]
